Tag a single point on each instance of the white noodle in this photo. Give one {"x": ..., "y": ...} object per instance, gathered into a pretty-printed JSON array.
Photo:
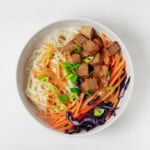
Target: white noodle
[{"x": 34, "y": 88}]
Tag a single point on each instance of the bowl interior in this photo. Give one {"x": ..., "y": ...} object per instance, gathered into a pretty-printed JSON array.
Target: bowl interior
[{"x": 40, "y": 37}]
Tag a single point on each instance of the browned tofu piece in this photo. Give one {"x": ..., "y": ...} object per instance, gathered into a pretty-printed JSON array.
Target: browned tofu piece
[
  {"x": 98, "y": 41},
  {"x": 68, "y": 48},
  {"x": 104, "y": 71},
  {"x": 90, "y": 47},
  {"x": 103, "y": 82},
  {"x": 79, "y": 39},
  {"x": 97, "y": 60},
  {"x": 84, "y": 53},
  {"x": 87, "y": 31},
  {"x": 106, "y": 56},
  {"x": 83, "y": 70},
  {"x": 100, "y": 71},
  {"x": 97, "y": 70},
  {"x": 90, "y": 85},
  {"x": 114, "y": 48},
  {"x": 75, "y": 58}
]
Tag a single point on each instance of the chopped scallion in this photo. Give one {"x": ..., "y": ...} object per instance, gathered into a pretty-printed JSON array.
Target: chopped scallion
[
  {"x": 87, "y": 93},
  {"x": 109, "y": 88},
  {"x": 88, "y": 59},
  {"x": 48, "y": 54},
  {"x": 77, "y": 49},
  {"x": 91, "y": 73},
  {"x": 53, "y": 88},
  {"x": 63, "y": 97},
  {"x": 74, "y": 78},
  {"x": 98, "y": 112},
  {"x": 74, "y": 90},
  {"x": 43, "y": 78}
]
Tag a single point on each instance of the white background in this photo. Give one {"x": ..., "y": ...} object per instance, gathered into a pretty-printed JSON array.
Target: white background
[{"x": 20, "y": 19}]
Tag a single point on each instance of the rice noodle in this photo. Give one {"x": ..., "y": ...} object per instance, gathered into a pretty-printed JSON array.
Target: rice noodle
[{"x": 36, "y": 91}]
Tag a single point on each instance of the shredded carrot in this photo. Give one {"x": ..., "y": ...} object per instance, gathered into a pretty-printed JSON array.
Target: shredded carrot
[
  {"x": 61, "y": 123},
  {"x": 118, "y": 59},
  {"x": 87, "y": 108},
  {"x": 102, "y": 35},
  {"x": 113, "y": 61},
  {"x": 64, "y": 121},
  {"x": 113, "y": 98},
  {"x": 48, "y": 118},
  {"x": 116, "y": 76},
  {"x": 90, "y": 98},
  {"x": 108, "y": 42},
  {"x": 79, "y": 105},
  {"x": 66, "y": 128},
  {"x": 53, "y": 122},
  {"x": 79, "y": 108},
  {"x": 107, "y": 117},
  {"x": 122, "y": 63}
]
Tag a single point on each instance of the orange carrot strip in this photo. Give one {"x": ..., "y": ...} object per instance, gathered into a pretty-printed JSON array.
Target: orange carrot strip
[
  {"x": 59, "y": 114},
  {"x": 54, "y": 117},
  {"x": 102, "y": 35},
  {"x": 122, "y": 63},
  {"x": 53, "y": 122},
  {"x": 87, "y": 108},
  {"x": 64, "y": 120},
  {"x": 116, "y": 76},
  {"x": 118, "y": 59},
  {"x": 66, "y": 128},
  {"x": 79, "y": 105},
  {"x": 116, "y": 102},
  {"x": 56, "y": 125},
  {"x": 49, "y": 113},
  {"x": 74, "y": 109},
  {"x": 107, "y": 117},
  {"x": 73, "y": 104},
  {"x": 113, "y": 97},
  {"x": 90, "y": 98},
  {"x": 108, "y": 42},
  {"x": 114, "y": 61},
  {"x": 48, "y": 118},
  {"x": 61, "y": 120}
]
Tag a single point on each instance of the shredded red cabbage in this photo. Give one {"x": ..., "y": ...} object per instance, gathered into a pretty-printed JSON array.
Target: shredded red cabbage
[
  {"x": 87, "y": 123},
  {"x": 108, "y": 105},
  {"x": 76, "y": 129},
  {"x": 124, "y": 87},
  {"x": 90, "y": 121}
]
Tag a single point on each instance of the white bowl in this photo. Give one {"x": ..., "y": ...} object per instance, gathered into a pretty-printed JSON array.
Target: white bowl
[{"x": 44, "y": 33}]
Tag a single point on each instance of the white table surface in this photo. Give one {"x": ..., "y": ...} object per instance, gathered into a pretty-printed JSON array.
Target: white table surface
[{"x": 20, "y": 19}]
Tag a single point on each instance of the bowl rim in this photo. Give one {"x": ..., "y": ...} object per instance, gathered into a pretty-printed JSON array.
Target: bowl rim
[{"x": 130, "y": 63}]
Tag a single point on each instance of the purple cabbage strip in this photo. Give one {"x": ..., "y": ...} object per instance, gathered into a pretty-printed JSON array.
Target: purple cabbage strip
[
  {"x": 87, "y": 123},
  {"x": 110, "y": 108},
  {"x": 75, "y": 122},
  {"x": 105, "y": 103},
  {"x": 76, "y": 130},
  {"x": 90, "y": 121},
  {"x": 124, "y": 87}
]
